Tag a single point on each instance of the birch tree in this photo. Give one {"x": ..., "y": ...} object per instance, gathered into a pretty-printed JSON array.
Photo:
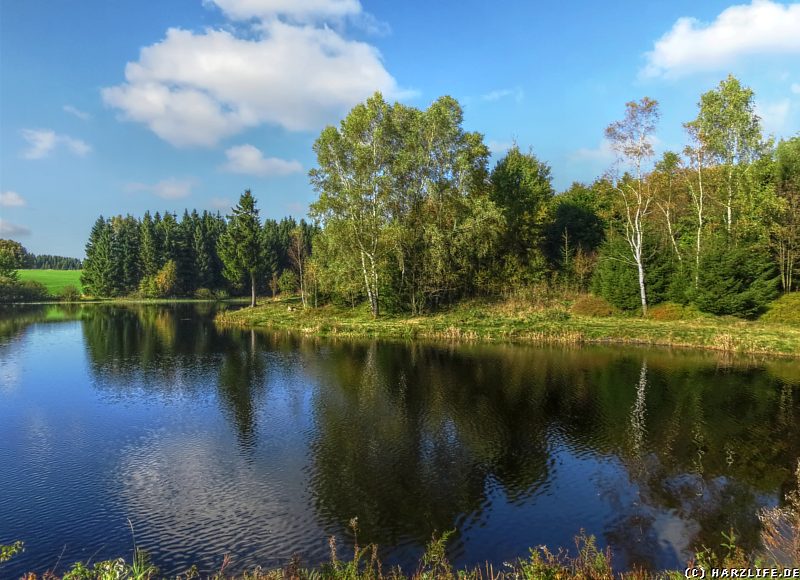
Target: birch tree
[
  {"x": 353, "y": 180},
  {"x": 697, "y": 155},
  {"x": 631, "y": 138},
  {"x": 732, "y": 134}
]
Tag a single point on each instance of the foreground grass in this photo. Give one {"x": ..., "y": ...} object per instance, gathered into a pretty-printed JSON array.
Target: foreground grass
[
  {"x": 54, "y": 280},
  {"x": 516, "y": 322}
]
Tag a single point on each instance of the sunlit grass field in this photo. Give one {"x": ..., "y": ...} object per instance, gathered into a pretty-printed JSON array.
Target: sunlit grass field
[{"x": 54, "y": 280}]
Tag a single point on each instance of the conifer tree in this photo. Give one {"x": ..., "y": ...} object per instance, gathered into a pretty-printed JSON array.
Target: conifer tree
[
  {"x": 241, "y": 247},
  {"x": 148, "y": 247},
  {"x": 100, "y": 269}
]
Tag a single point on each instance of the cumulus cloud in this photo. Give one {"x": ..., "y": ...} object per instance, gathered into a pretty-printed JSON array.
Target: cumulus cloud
[
  {"x": 296, "y": 9},
  {"x": 762, "y": 28},
  {"x": 9, "y": 229},
  {"x": 193, "y": 89},
  {"x": 82, "y": 115},
  {"x": 248, "y": 160},
  {"x": 166, "y": 188},
  {"x": 42, "y": 142},
  {"x": 11, "y": 199}
]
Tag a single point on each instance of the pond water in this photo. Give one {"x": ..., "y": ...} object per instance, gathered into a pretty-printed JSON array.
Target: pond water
[{"x": 148, "y": 424}]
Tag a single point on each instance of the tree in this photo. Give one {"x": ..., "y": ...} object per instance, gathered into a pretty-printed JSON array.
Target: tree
[
  {"x": 631, "y": 139},
  {"x": 166, "y": 280},
  {"x": 616, "y": 278},
  {"x": 299, "y": 250},
  {"x": 240, "y": 247},
  {"x": 353, "y": 180},
  {"x": 100, "y": 276},
  {"x": 522, "y": 189},
  {"x": 666, "y": 177},
  {"x": 12, "y": 258},
  {"x": 786, "y": 231},
  {"x": 698, "y": 155},
  {"x": 735, "y": 279},
  {"x": 731, "y": 131},
  {"x": 127, "y": 243},
  {"x": 574, "y": 228},
  {"x": 149, "y": 252}
]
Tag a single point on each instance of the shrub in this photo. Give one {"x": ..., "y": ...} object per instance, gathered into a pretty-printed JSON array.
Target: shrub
[
  {"x": 617, "y": 280},
  {"x": 24, "y": 291},
  {"x": 785, "y": 310},
  {"x": 70, "y": 293},
  {"x": 162, "y": 285},
  {"x": 738, "y": 280},
  {"x": 671, "y": 311},
  {"x": 287, "y": 282},
  {"x": 590, "y": 305},
  {"x": 166, "y": 281},
  {"x": 204, "y": 294}
]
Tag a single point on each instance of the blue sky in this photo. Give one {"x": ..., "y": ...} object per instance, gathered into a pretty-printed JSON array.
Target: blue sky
[{"x": 118, "y": 107}]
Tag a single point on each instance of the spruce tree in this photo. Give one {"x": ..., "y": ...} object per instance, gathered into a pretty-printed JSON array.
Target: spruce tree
[
  {"x": 739, "y": 280},
  {"x": 240, "y": 247},
  {"x": 100, "y": 269},
  {"x": 127, "y": 246},
  {"x": 148, "y": 247}
]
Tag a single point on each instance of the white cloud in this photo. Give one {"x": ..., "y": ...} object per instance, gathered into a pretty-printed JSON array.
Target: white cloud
[
  {"x": 498, "y": 94},
  {"x": 197, "y": 88},
  {"x": 11, "y": 199},
  {"x": 9, "y": 229},
  {"x": 774, "y": 115},
  {"x": 82, "y": 115},
  {"x": 796, "y": 88},
  {"x": 42, "y": 142},
  {"x": 166, "y": 188},
  {"x": 248, "y": 160},
  {"x": 295, "y": 9},
  {"x": 604, "y": 153},
  {"x": 498, "y": 147},
  {"x": 761, "y": 28}
]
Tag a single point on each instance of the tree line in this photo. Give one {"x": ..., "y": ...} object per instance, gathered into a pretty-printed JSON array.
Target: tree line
[
  {"x": 14, "y": 256},
  {"x": 199, "y": 254},
  {"x": 49, "y": 262},
  {"x": 410, "y": 217}
]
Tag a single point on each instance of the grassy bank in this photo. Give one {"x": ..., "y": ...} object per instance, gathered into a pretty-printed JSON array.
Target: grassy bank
[
  {"x": 517, "y": 322},
  {"x": 54, "y": 280}
]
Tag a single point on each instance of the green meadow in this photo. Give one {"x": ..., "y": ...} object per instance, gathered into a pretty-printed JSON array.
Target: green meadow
[{"x": 54, "y": 280}]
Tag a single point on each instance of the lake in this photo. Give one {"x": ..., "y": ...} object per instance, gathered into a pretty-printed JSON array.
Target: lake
[{"x": 147, "y": 424}]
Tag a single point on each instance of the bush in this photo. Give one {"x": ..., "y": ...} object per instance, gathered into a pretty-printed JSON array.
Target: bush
[
  {"x": 70, "y": 294},
  {"x": 204, "y": 294},
  {"x": 616, "y": 278},
  {"x": 590, "y": 305},
  {"x": 670, "y": 311},
  {"x": 162, "y": 285},
  {"x": 737, "y": 280},
  {"x": 785, "y": 310},
  {"x": 287, "y": 282},
  {"x": 24, "y": 291}
]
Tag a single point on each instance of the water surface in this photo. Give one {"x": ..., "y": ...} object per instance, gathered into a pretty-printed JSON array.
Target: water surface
[{"x": 208, "y": 441}]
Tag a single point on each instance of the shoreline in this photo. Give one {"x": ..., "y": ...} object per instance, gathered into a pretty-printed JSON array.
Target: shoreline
[{"x": 496, "y": 322}]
